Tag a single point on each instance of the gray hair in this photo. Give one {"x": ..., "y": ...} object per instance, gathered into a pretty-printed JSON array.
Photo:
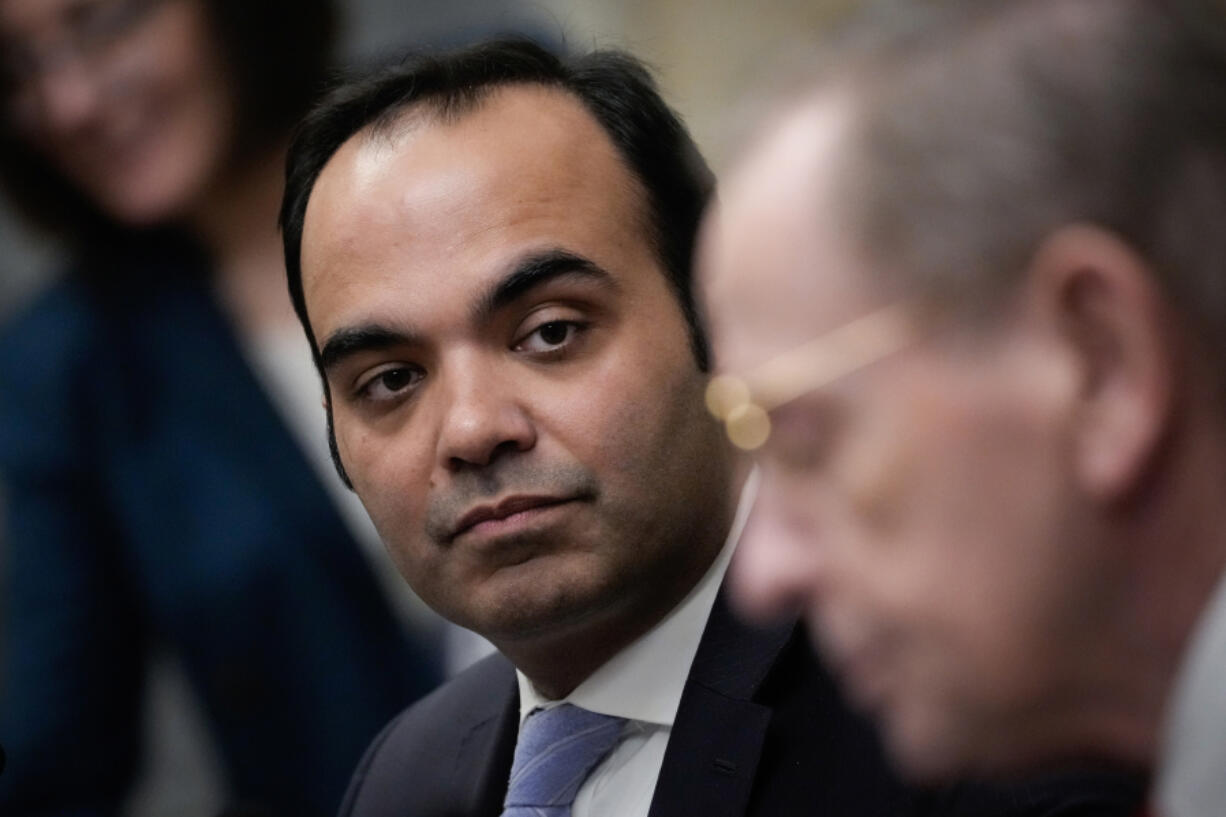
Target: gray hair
[{"x": 982, "y": 126}]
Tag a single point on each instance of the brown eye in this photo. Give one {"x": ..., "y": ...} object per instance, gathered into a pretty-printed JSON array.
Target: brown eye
[
  {"x": 551, "y": 336},
  {"x": 391, "y": 383},
  {"x": 396, "y": 379},
  {"x": 555, "y": 332}
]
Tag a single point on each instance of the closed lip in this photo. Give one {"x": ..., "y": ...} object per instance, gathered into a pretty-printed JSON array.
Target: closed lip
[{"x": 501, "y": 510}]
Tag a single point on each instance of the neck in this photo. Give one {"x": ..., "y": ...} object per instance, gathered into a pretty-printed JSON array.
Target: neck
[
  {"x": 559, "y": 661},
  {"x": 1173, "y": 552}
]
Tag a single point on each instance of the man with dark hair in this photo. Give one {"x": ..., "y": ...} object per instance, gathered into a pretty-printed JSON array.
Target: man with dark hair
[
  {"x": 490, "y": 252},
  {"x": 994, "y": 480}
]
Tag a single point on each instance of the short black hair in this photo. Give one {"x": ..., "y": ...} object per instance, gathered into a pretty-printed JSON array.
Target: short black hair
[
  {"x": 278, "y": 53},
  {"x": 614, "y": 87}
]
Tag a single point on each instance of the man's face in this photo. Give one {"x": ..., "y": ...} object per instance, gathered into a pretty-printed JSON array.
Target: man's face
[
  {"x": 915, "y": 509},
  {"x": 511, "y": 381}
]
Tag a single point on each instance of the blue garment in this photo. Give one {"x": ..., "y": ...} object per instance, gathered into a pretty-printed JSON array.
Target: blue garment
[
  {"x": 557, "y": 749},
  {"x": 153, "y": 496}
]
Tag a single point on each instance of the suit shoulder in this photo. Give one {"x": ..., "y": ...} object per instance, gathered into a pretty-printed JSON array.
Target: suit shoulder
[
  {"x": 471, "y": 697},
  {"x": 411, "y": 767}
]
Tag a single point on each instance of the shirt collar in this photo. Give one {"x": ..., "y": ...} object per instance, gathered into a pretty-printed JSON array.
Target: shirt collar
[
  {"x": 645, "y": 680},
  {"x": 1190, "y": 779}
]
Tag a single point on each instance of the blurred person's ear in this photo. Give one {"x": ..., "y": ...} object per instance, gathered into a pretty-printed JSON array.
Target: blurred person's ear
[{"x": 1110, "y": 316}]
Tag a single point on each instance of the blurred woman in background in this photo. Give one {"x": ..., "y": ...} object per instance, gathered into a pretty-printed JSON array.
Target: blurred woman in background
[{"x": 160, "y": 430}]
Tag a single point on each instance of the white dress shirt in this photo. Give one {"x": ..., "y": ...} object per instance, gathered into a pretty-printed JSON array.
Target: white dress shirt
[
  {"x": 643, "y": 683},
  {"x": 1191, "y": 779}
]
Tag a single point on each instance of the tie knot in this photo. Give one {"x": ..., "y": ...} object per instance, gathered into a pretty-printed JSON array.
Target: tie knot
[{"x": 557, "y": 749}]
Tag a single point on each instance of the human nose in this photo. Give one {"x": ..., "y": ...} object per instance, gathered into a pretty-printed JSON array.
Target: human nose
[
  {"x": 483, "y": 418},
  {"x": 778, "y": 566}
]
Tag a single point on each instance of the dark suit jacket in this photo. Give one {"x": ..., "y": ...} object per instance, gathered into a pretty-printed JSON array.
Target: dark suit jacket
[
  {"x": 155, "y": 500},
  {"x": 761, "y": 730}
]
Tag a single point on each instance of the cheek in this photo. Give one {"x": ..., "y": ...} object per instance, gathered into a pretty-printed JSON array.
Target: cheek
[
  {"x": 640, "y": 414},
  {"x": 913, "y": 513},
  {"x": 180, "y": 95},
  {"x": 198, "y": 116},
  {"x": 878, "y": 474},
  {"x": 873, "y": 489},
  {"x": 391, "y": 476},
  {"x": 182, "y": 59},
  {"x": 965, "y": 516}
]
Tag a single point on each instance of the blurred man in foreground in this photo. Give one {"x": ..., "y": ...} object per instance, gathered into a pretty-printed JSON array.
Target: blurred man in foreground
[
  {"x": 491, "y": 253},
  {"x": 968, "y": 293}
]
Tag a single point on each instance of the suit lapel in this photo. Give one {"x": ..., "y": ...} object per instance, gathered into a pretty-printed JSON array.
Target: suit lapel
[
  {"x": 486, "y": 752},
  {"x": 716, "y": 742}
]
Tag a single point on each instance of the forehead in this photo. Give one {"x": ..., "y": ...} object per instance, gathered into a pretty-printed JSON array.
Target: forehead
[
  {"x": 529, "y": 169},
  {"x": 778, "y": 261}
]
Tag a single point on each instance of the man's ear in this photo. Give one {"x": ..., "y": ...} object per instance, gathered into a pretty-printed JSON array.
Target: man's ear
[{"x": 1112, "y": 317}]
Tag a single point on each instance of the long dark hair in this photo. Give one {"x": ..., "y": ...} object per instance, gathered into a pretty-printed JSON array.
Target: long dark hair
[{"x": 278, "y": 52}]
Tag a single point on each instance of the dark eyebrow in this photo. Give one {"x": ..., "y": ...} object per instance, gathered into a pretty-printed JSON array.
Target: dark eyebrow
[
  {"x": 345, "y": 343},
  {"x": 526, "y": 274},
  {"x": 533, "y": 271}
]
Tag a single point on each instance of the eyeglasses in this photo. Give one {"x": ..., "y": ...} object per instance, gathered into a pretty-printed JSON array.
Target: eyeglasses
[
  {"x": 743, "y": 404},
  {"x": 88, "y": 35}
]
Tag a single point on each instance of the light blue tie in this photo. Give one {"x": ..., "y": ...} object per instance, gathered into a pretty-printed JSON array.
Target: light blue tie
[{"x": 557, "y": 749}]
